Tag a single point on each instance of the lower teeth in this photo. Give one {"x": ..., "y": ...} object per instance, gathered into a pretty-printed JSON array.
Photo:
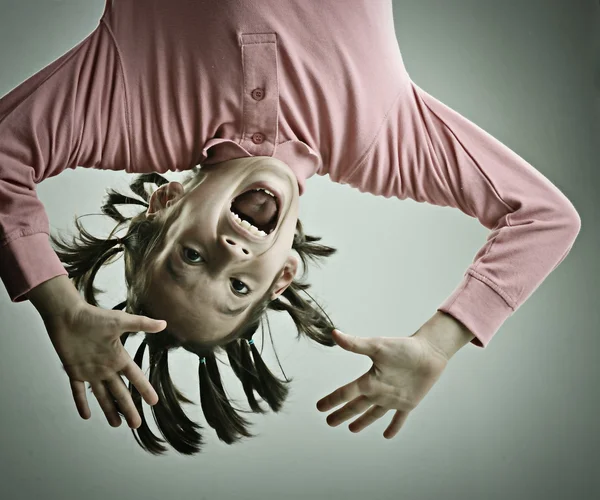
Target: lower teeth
[{"x": 247, "y": 225}]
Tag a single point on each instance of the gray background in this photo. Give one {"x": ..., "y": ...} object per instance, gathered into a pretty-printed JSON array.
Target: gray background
[{"x": 518, "y": 420}]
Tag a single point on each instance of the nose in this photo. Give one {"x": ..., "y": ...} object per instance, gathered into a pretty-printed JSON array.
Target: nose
[{"x": 235, "y": 248}]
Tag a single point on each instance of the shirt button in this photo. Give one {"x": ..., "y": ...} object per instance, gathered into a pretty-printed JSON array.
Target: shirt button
[
  {"x": 258, "y": 94},
  {"x": 258, "y": 138}
]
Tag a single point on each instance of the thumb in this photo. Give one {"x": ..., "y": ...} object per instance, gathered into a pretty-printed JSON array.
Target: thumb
[
  {"x": 135, "y": 323},
  {"x": 358, "y": 345}
]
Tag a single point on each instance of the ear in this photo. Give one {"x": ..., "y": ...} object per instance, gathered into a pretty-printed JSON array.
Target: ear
[
  {"x": 286, "y": 277},
  {"x": 163, "y": 197}
]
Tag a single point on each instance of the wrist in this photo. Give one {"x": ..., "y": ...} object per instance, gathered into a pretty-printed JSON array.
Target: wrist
[
  {"x": 55, "y": 296},
  {"x": 445, "y": 333}
]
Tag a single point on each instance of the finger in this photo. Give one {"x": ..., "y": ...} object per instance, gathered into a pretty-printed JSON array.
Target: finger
[
  {"x": 106, "y": 403},
  {"x": 136, "y": 376},
  {"x": 368, "y": 418},
  {"x": 78, "y": 390},
  {"x": 358, "y": 345},
  {"x": 134, "y": 323},
  {"x": 343, "y": 394},
  {"x": 348, "y": 411},
  {"x": 396, "y": 424},
  {"x": 119, "y": 391}
]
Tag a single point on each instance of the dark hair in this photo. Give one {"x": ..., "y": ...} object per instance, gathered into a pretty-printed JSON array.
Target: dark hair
[{"x": 83, "y": 259}]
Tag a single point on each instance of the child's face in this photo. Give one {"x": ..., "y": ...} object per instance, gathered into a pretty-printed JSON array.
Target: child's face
[{"x": 225, "y": 268}]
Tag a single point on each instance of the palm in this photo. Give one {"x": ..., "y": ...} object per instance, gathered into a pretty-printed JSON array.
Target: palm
[
  {"x": 405, "y": 366},
  {"x": 103, "y": 350},
  {"x": 403, "y": 371},
  {"x": 87, "y": 341}
]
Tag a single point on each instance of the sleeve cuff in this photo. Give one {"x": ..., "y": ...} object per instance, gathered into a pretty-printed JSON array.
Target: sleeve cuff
[
  {"x": 479, "y": 308},
  {"x": 27, "y": 262}
]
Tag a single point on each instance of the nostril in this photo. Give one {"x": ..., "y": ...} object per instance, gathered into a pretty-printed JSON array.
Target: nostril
[{"x": 233, "y": 243}]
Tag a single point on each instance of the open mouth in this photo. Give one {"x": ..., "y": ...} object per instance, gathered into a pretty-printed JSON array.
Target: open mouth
[{"x": 256, "y": 210}]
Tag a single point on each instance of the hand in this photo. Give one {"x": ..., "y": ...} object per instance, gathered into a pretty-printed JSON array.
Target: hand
[
  {"x": 403, "y": 371},
  {"x": 87, "y": 341}
]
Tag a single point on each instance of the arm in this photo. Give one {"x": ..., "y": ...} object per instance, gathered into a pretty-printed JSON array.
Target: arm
[
  {"x": 430, "y": 153},
  {"x": 69, "y": 114},
  {"x": 445, "y": 333},
  {"x": 54, "y": 297}
]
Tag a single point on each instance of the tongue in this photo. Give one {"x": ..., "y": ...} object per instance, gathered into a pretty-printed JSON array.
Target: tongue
[{"x": 256, "y": 205}]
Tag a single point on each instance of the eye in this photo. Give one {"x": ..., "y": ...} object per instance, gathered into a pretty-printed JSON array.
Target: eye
[
  {"x": 192, "y": 253},
  {"x": 239, "y": 286}
]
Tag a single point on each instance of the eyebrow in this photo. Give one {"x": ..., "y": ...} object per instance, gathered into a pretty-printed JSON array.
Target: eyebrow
[{"x": 178, "y": 279}]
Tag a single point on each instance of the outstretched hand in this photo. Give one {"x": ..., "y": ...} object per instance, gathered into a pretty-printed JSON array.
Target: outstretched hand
[
  {"x": 403, "y": 371},
  {"x": 87, "y": 341}
]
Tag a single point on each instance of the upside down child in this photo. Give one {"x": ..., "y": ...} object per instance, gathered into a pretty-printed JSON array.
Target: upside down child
[{"x": 253, "y": 102}]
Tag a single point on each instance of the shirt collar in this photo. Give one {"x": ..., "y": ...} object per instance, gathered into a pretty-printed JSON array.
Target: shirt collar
[{"x": 300, "y": 157}]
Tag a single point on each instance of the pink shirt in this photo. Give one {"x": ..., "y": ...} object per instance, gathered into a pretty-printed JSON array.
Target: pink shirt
[{"x": 164, "y": 85}]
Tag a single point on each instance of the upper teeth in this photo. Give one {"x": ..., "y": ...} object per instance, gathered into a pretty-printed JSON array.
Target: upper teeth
[
  {"x": 247, "y": 225},
  {"x": 266, "y": 191}
]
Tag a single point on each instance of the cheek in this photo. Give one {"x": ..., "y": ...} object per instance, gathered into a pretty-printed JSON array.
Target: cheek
[{"x": 269, "y": 265}]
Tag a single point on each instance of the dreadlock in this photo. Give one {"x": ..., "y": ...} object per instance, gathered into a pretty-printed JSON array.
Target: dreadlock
[{"x": 86, "y": 254}]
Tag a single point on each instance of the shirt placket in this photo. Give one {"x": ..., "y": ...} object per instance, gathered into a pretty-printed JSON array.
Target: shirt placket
[{"x": 261, "y": 94}]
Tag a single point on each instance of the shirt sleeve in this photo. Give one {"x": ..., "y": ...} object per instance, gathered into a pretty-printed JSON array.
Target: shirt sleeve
[
  {"x": 71, "y": 113},
  {"x": 430, "y": 153}
]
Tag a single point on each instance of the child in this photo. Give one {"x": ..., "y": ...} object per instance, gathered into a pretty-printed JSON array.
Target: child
[
  {"x": 262, "y": 98},
  {"x": 194, "y": 323}
]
